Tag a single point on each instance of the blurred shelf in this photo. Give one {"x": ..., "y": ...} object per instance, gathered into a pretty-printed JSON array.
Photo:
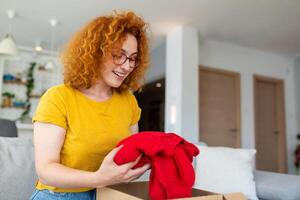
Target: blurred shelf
[
  {"x": 14, "y": 107},
  {"x": 14, "y": 82},
  {"x": 36, "y": 96}
]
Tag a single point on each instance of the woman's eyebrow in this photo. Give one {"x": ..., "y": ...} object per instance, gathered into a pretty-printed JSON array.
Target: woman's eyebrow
[{"x": 124, "y": 51}]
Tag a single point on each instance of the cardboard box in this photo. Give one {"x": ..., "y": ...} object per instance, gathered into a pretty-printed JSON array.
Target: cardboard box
[{"x": 139, "y": 190}]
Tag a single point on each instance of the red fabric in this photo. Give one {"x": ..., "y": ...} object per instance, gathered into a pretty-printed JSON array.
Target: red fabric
[{"x": 172, "y": 174}]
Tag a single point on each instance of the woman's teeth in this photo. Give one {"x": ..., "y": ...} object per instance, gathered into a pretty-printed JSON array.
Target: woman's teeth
[{"x": 119, "y": 74}]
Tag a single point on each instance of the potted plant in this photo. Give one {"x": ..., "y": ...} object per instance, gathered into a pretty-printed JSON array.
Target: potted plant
[
  {"x": 25, "y": 118},
  {"x": 7, "y": 99}
]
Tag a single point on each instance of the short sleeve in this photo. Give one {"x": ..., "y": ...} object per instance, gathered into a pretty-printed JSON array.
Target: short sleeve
[
  {"x": 51, "y": 109},
  {"x": 136, "y": 110}
]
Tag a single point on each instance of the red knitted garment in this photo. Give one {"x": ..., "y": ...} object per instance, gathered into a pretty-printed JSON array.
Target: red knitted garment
[{"x": 172, "y": 174}]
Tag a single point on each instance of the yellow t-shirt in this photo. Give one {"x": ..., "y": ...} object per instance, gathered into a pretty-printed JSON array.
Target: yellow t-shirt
[{"x": 92, "y": 128}]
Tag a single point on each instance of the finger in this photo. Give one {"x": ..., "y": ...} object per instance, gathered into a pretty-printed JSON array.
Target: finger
[
  {"x": 129, "y": 165},
  {"x": 133, "y": 177},
  {"x": 113, "y": 152},
  {"x": 138, "y": 159},
  {"x": 137, "y": 172},
  {"x": 136, "y": 177},
  {"x": 147, "y": 166},
  {"x": 144, "y": 168}
]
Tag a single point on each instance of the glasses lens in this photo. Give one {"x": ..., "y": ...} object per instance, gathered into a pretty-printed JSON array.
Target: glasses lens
[
  {"x": 119, "y": 59},
  {"x": 133, "y": 62}
]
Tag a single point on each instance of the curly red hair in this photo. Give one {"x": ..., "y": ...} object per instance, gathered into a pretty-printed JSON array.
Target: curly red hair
[{"x": 87, "y": 50}]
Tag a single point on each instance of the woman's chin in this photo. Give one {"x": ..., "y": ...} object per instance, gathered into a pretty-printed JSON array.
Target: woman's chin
[{"x": 115, "y": 84}]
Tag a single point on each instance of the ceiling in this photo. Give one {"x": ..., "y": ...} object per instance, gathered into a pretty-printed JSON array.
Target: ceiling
[{"x": 268, "y": 25}]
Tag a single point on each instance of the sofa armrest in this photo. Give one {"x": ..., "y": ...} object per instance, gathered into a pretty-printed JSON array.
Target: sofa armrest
[
  {"x": 276, "y": 186},
  {"x": 17, "y": 170}
]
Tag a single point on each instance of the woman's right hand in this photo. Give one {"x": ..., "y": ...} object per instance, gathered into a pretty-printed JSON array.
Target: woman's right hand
[{"x": 110, "y": 173}]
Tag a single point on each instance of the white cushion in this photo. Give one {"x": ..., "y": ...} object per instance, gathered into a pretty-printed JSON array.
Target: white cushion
[{"x": 226, "y": 170}]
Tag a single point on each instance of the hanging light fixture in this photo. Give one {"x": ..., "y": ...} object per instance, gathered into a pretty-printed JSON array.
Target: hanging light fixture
[
  {"x": 8, "y": 45},
  {"x": 53, "y": 22},
  {"x": 38, "y": 46}
]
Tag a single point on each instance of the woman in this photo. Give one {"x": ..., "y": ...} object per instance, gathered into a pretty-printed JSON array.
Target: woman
[{"x": 77, "y": 124}]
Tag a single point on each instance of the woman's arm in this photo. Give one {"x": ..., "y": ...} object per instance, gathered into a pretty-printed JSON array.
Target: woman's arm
[
  {"x": 134, "y": 128},
  {"x": 48, "y": 141}
]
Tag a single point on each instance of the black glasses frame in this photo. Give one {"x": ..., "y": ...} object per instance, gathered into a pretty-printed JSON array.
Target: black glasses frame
[{"x": 118, "y": 60}]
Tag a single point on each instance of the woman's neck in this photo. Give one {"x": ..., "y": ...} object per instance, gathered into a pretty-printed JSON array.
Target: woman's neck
[{"x": 98, "y": 92}]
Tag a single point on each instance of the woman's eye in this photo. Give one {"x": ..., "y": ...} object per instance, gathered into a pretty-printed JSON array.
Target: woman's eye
[
  {"x": 133, "y": 58},
  {"x": 118, "y": 56}
]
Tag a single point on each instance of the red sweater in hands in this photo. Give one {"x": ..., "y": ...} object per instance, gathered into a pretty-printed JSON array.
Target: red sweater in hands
[{"x": 172, "y": 174}]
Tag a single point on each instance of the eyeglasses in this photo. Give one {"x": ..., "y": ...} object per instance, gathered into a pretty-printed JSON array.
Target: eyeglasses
[{"x": 120, "y": 59}]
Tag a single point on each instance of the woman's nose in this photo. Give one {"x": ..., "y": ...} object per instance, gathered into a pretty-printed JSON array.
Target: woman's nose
[{"x": 126, "y": 66}]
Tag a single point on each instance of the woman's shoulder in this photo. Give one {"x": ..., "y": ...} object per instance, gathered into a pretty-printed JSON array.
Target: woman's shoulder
[
  {"x": 126, "y": 94},
  {"x": 57, "y": 91},
  {"x": 129, "y": 97}
]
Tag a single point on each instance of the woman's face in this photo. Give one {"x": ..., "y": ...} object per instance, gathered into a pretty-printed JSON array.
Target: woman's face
[{"x": 120, "y": 63}]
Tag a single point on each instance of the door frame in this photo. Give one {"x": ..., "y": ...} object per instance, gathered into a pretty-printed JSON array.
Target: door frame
[
  {"x": 280, "y": 119},
  {"x": 237, "y": 77}
]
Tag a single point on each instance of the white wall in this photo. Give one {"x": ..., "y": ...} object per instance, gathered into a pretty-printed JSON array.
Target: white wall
[
  {"x": 157, "y": 68},
  {"x": 297, "y": 89},
  {"x": 181, "y": 110},
  {"x": 248, "y": 62}
]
